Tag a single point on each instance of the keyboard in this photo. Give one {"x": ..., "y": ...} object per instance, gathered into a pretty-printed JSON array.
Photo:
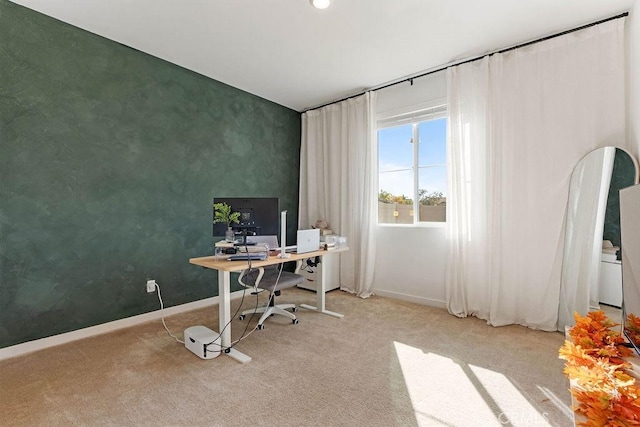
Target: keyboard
[{"x": 255, "y": 256}]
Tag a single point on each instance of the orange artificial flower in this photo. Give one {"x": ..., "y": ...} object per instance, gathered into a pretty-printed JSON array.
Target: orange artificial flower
[{"x": 606, "y": 394}]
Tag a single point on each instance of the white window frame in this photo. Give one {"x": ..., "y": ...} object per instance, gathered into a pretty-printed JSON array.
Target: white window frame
[{"x": 415, "y": 115}]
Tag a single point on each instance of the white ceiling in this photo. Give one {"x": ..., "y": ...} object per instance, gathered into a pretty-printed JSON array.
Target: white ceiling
[{"x": 300, "y": 57}]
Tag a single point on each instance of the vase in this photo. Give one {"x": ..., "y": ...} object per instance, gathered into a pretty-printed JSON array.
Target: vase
[{"x": 229, "y": 235}]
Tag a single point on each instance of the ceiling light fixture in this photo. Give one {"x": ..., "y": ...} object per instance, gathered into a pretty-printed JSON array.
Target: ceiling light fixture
[{"x": 321, "y": 4}]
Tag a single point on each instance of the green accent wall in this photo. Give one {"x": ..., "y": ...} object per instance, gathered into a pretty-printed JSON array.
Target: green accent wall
[{"x": 109, "y": 161}]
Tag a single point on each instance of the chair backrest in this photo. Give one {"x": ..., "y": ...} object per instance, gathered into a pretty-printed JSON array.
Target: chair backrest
[
  {"x": 270, "y": 278},
  {"x": 271, "y": 241}
]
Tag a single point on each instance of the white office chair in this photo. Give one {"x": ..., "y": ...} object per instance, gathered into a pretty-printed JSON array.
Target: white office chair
[{"x": 273, "y": 280}]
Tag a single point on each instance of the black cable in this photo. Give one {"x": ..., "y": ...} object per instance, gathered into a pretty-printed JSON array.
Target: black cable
[
  {"x": 228, "y": 323},
  {"x": 271, "y": 297},
  {"x": 248, "y": 321},
  {"x": 257, "y": 298},
  {"x": 244, "y": 333},
  {"x": 234, "y": 314}
]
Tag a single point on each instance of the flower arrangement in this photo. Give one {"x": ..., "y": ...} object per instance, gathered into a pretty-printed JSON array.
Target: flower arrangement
[{"x": 595, "y": 365}]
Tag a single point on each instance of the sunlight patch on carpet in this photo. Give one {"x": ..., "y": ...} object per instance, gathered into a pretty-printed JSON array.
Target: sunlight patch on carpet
[{"x": 444, "y": 392}]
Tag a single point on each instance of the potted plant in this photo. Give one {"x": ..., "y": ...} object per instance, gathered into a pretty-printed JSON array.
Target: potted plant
[{"x": 224, "y": 214}]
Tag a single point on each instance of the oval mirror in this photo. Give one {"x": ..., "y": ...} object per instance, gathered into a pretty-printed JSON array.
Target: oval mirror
[{"x": 591, "y": 270}]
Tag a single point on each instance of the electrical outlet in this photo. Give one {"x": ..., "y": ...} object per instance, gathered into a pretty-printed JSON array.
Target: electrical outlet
[{"x": 151, "y": 286}]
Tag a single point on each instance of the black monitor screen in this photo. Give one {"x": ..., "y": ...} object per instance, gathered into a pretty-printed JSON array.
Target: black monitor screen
[{"x": 258, "y": 215}]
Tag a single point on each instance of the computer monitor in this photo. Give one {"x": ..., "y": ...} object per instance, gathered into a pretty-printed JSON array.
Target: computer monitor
[{"x": 258, "y": 215}]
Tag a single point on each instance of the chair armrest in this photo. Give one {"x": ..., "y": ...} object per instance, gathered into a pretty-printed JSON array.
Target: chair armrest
[{"x": 255, "y": 285}]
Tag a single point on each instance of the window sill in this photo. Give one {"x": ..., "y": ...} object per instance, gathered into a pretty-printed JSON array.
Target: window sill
[{"x": 418, "y": 225}]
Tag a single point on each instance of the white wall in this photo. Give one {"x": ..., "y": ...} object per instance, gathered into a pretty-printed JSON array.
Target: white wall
[
  {"x": 633, "y": 80},
  {"x": 410, "y": 261},
  {"x": 410, "y": 264}
]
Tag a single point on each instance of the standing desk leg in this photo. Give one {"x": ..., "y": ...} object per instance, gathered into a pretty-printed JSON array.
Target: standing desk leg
[
  {"x": 320, "y": 294},
  {"x": 224, "y": 317}
]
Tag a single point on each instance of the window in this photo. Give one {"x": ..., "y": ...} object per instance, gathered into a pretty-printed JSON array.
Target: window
[{"x": 412, "y": 167}]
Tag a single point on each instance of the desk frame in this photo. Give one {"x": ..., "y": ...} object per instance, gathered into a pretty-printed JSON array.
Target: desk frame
[{"x": 225, "y": 268}]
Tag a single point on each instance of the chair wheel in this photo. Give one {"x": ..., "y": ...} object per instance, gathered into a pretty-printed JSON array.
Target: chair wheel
[
  {"x": 295, "y": 321},
  {"x": 294, "y": 309},
  {"x": 241, "y": 317},
  {"x": 261, "y": 327}
]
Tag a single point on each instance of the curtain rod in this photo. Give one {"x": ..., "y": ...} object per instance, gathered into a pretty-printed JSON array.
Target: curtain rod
[{"x": 466, "y": 61}]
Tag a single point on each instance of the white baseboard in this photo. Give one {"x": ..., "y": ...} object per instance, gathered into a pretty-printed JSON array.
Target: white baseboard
[
  {"x": 41, "y": 344},
  {"x": 411, "y": 298}
]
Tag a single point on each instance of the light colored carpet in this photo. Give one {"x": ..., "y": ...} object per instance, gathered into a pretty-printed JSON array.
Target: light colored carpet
[{"x": 386, "y": 363}]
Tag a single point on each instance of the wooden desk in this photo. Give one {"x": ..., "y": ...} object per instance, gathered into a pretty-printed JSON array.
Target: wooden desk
[{"x": 225, "y": 268}]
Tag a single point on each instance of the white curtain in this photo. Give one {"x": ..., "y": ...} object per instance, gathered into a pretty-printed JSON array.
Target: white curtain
[
  {"x": 519, "y": 123},
  {"x": 338, "y": 183}
]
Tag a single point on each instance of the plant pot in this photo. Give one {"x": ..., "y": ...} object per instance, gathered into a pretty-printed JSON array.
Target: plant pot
[{"x": 229, "y": 235}]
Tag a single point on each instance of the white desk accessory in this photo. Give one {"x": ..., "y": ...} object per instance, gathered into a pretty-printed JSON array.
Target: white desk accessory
[
  {"x": 202, "y": 341},
  {"x": 283, "y": 235}
]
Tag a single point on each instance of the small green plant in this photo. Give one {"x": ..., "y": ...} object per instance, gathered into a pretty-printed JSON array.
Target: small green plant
[{"x": 224, "y": 214}]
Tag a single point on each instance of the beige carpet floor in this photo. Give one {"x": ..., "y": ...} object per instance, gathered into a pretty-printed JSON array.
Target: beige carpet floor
[{"x": 386, "y": 363}]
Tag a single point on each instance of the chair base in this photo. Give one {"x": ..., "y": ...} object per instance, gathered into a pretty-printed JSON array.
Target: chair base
[{"x": 270, "y": 310}]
